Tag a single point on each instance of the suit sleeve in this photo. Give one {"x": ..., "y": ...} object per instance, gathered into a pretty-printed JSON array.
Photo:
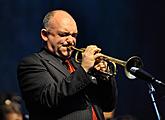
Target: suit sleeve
[
  {"x": 104, "y": 93},
  {"x": 107, "y": 91}
]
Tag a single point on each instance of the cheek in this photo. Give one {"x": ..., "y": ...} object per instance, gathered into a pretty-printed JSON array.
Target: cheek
[
  {"x": 59, "y": 41},
  {"x": 58, "y": 45},
  {"x": 55, "y": 42}
]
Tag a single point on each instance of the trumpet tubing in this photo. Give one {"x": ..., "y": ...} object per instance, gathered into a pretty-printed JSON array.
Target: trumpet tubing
[
  {"x": 134, "y": 61},
  {"x": 105, "y": 57},
  {"x": 115, "y": 60},
  {"x": 77, "y": 49}
]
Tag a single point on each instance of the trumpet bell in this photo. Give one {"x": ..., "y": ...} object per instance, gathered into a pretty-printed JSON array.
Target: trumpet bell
[{"x": 133, "y": 61}]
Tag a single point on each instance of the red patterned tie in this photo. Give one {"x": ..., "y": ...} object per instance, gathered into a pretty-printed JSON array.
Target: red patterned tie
[
  {"x": 94, "y": 117},
  {"x": 70, "y": 67}
]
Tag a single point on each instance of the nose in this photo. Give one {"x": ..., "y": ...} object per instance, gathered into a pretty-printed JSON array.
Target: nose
[{"x": 71, "y": 40}]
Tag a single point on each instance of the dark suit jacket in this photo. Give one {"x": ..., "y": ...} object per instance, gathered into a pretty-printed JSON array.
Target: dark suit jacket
[{"x": 52, "y": 93}]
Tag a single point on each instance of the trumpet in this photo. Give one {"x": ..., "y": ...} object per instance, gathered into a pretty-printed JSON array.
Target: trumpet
[{"x": 133, "y": 61}]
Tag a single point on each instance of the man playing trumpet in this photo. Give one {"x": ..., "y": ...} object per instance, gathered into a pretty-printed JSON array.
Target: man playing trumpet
[{"x": 55, "y": 87}]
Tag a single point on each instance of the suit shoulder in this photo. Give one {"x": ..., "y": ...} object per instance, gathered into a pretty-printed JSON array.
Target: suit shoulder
[{"x": 32, "y": 58}]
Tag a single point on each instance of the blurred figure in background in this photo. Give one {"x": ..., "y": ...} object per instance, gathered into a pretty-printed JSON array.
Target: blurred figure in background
[{"x": 10, "y": 108}]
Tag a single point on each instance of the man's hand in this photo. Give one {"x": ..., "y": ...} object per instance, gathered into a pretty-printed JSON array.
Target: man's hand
[
  {"x": 89, "y": 57},
  {"x": 101, "y": 65}
]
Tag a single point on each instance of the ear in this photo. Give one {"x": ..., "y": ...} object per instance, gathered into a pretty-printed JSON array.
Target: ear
[{"x": 44, "y": 34}]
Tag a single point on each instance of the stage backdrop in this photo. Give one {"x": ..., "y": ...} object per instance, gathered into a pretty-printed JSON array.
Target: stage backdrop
[{"x": 122, "y": 28}]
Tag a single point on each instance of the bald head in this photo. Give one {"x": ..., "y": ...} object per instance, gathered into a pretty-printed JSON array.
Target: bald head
[{"x": 57, "y": 16}]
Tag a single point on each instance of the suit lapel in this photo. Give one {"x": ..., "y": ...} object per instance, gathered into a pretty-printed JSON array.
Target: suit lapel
[{"x": 54, "y": 62}]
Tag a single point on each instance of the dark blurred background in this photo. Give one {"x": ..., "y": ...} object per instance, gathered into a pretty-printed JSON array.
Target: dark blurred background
[{"x": 122, "y": 28}]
